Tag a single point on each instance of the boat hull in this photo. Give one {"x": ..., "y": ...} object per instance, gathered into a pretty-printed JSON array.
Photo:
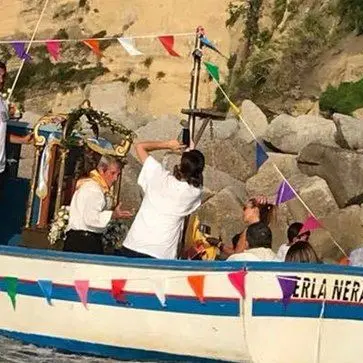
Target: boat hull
[{"x": 321, "y": 321}]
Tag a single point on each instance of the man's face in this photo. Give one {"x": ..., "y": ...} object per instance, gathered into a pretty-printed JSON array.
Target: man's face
[
  {"x": 111, "y": 174},
  {"x": 2, "y": 78}
]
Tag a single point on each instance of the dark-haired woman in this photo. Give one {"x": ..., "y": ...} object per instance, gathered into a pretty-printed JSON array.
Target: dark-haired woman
[
  {"x": 303, "y": 252},
  {"x": 255, "y": 210},
  {"x": 168, "y": 198}
]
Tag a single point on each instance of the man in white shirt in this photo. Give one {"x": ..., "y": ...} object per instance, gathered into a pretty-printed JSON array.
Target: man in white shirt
[
  {"x": 259, "y": 242},
  {"x": 168, "y": 198},
  {"x": 4, "y": 117},
  {"x": 88, "y": 216}
]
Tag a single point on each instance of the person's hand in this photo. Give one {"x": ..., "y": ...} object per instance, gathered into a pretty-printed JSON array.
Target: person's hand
[
  {"x": 261, "y": 199},
  {"x": 119, "y": 213},
  {"x": 175, "y": 145},
  {"x": 28, "y": 139}
]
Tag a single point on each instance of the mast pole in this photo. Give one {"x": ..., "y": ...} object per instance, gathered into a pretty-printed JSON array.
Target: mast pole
[{"x": 194, "y": 84}]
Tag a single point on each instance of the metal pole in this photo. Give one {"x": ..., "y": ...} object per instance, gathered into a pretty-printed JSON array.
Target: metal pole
[
  {"x": 194, "y": 85},
  {"x": 58, "y": 200}
]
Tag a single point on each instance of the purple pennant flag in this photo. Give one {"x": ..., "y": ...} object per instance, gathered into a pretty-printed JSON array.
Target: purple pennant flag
[
  {"x": 19, "y": 48},
  {"x": 288, "y": 286},
  {"x": 284, "y": 193}
]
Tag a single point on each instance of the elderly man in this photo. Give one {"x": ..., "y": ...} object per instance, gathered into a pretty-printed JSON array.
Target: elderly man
[
  {"x": 88, "y": 216},
  {"x": 4, "y": 117}
]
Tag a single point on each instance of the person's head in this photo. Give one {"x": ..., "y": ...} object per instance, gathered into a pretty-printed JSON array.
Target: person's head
[
  {"x": 109, "y": 168},
  {"x": 258, "y": 235},
  {"x": 191, "y": 168},
  {"x": 256, "y": 212},
  {"x": 235, "y": 240},
  {"x": 293, "y": 233},
  {"x": 2, "y": 75},
  {"x": 302, "y": 251}
]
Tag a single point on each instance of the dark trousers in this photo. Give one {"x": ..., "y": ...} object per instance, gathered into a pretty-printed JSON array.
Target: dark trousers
[
  {"x": 83, "y": 241},
  {"x": 126, "y": 252}
]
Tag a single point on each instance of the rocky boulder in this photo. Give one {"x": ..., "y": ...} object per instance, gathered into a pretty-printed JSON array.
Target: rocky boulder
[
  {"x": 291, "y": 135},
  {"x": 349, "y": 134},
  {"x": 342, "y": 170}
]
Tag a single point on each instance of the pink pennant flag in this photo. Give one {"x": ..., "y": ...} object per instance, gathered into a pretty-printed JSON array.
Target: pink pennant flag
[
  {"x": 53, "y": 48},
  {"x": 168, "y": 42},
  {"x": 310, "y": 224},
  {"x": 82, "y": 287},
  {"x": 237, "y": 279}
]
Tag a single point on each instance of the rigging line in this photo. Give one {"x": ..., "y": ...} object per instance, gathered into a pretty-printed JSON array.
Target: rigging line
[
  {"x": 27, "y": 50},
  {"x": 69, "y": 40},
  {"x": 238, "y": 114}
]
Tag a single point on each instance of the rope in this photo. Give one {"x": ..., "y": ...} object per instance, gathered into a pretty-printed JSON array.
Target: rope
[
  {"x": 72, "y": 40},
  {"x": 238, "y": 114},
  {"x": 27, "y": 50}
]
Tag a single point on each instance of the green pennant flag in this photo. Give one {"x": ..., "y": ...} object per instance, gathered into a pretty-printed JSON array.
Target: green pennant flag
[
  {"x": 213, "y": 70},
  {"x": 11, "y": 284}
]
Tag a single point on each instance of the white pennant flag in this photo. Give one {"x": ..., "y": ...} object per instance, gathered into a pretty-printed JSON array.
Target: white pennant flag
[
  {"x": 128, "y": 45},
  {"x": 159, "y": 286}
]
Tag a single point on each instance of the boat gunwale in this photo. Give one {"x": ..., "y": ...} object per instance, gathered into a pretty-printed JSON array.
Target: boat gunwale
[{"x": 180, "y": 265}]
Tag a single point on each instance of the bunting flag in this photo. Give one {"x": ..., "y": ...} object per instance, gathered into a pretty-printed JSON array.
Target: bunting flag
[
  {"x": 288, "y": 286},
  {"x": 118, "y": 287},
  {"x": 82, "y": 287},
  {"x": 310, "y": 224},
  {"x": 11, "y": 284},
  {"x": 197, "y": 285},
  {"x": 205, "y": 41},
  {"x": 19, "y": 48},
  {"x": 128, "y": 45},
  {"x": 237, "y": 279},
  {"x": 53, "y": 48},
  {"x": 94, "y": 44},
  {"x": 261, "y": 155},
  {"x": 159, "y": 287},
  {"x": 168, "y": 42},
  {"x": 213, "y": 70},
  {"x": 284, "y": 193},
  {"x": 46, "y": 286}
]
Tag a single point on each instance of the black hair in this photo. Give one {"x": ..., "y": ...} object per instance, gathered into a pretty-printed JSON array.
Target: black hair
[
  {"x": 302, "y": 251},
  {"x": 2, "y": 65},
  {"x": 259, "y": 235},
  {"x": 191, "y": 168},
  {"x": 266, "y": 210},
  {"x": 235, "y": 240},
  {"x": 294, "y": 231}
]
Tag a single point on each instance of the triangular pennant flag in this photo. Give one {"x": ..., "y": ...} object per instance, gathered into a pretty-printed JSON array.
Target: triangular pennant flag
[
  {"x": 237, "y": 279},
  {"x": 117, "y": 291},
  {"x": 310, "y": 224},
  {"x": 82, "y": 287},
  {"x": 53, "y": 48},
  {"x": 11, "y": 284},
  {"x": 288, "y": 286},
  {"x": 205, "y": 41},
  {"x": 20, "y": 51},
  {"x": 197, "y": 285},
  {"x": 213, "y": 70},
  {"x": 168, "y": 42},
  {"x": 159, "y": 287},
  {"x": 128, "y": 45},
  {"x": 46, "y": 286},
  {"x": 261, "y": 155},
  {"x": 284, "y": 193},
  {"x": 94, "y": 44}
]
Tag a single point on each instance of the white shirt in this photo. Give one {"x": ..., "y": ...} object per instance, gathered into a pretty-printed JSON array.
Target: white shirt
[
  {"x": 281, "y": 253},
  {"x": 158, "y": 225},
  {"x": 87, "y": 212},
  {"x": 254, "y": 254},
  {"x": 4, "y": 117}
]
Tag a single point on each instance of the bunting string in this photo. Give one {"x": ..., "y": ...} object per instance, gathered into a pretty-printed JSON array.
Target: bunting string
[
  {"x": 237, "y": 111},
  {"x": 24, "y": 59}
]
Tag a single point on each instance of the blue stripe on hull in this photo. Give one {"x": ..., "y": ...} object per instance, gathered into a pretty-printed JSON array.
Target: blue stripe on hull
[
  {"x": 175, "y": 304},
  {"x": 101, "y": 350},
  {"x": 307, "y": 309}
]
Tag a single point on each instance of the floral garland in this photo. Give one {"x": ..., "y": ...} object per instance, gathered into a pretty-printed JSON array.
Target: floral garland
[{"x": 58, "y": 228}]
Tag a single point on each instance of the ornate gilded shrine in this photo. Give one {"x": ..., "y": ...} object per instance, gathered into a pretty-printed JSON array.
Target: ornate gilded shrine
[{"x": 67, "y": 154}]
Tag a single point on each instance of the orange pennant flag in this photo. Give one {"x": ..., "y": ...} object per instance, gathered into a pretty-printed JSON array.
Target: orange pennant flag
[
  {"x": 197, "y": 284},
  {"x": 94, "y": 44},
  {"x": 168, "y": 42}
]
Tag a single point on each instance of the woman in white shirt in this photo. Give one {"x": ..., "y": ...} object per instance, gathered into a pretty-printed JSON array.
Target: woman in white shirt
[{"x": 168, "y": 198}]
